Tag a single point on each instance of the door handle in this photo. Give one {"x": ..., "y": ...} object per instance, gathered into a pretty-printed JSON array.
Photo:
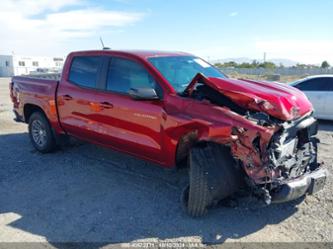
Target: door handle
[
  {"x": 106, "y": 105},
  {"x": 67, "y": 97}
]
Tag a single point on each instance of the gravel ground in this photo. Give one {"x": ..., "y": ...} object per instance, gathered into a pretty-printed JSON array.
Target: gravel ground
[{"x": 87, "y": 193}]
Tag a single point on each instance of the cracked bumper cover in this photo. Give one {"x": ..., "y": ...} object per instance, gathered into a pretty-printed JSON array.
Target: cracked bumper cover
[{"x": 296, "y": 188}]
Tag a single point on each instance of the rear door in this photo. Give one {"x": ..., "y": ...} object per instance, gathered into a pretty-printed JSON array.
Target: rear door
[
  {"x": 78, "y": 97},
  {"x": 316, "y": 90}
]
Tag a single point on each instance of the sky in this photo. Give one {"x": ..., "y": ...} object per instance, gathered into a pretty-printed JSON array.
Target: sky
[{"x": 300, "y": 30}]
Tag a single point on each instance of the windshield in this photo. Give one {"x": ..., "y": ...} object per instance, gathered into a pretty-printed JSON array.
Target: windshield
[{"x": 180, "y": 70}]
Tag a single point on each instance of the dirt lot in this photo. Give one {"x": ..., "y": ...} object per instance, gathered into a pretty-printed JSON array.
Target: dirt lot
[{"x": 87, "y": 193}]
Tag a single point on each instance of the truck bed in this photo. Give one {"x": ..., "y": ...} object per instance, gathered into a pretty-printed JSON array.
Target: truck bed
[
  {"x": 29, "y": 92},
  {"x": 46, "y": 76}
]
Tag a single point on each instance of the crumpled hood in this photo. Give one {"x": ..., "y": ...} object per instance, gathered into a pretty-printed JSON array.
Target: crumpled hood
[{"x": 278, "y": 100}]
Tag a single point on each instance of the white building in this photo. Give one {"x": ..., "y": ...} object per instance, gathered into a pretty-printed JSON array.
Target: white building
[{"x": 12, "y": 65}]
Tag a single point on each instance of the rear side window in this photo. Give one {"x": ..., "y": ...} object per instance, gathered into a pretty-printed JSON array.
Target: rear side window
[
  {"x": 84, "y": 70},
  {"x": 318, "y": 84},
  {"x": 124, "y": 74}
]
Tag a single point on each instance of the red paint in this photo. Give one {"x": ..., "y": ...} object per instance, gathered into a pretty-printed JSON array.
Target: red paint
[
  {"x": 287, "y": 102},
  {"x": 152, "y": 129}
]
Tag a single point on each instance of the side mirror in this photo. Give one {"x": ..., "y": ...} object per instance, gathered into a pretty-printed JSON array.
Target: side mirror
[{"x": 143, "y": 94}]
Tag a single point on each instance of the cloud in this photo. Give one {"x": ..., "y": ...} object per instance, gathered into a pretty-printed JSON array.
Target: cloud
[
  {"x": 33, "y": 7},
  {"x": 88, "y": 21},
  {"x": 233, "y": 14},
  {"x": 38, "y": 25}
]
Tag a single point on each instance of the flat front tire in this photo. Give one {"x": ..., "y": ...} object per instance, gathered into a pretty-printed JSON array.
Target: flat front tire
[
  {"x": 212, "y": 177},
  {"x": 40, "y": 133}
]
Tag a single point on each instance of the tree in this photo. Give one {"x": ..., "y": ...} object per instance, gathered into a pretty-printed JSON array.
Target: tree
[
  {"x": 230, "y": 64},
  {"x": 301, "y": 66},
  {"x": 246, "y": 65},
  {"x": 325, "y": 64},
  {"x": 255, "y": 63},
  {"x": 267, "y": 65},
  {"x": 218, "y": 65}
]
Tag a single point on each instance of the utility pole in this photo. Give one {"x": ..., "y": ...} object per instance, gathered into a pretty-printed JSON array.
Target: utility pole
[{"x": 264, "y": 57}]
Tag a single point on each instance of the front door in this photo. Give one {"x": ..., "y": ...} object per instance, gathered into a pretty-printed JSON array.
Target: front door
[{"x": 133, "y": 126}]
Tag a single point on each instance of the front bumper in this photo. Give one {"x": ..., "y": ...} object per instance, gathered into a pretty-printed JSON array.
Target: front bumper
[{"x": 296, "y": 188}]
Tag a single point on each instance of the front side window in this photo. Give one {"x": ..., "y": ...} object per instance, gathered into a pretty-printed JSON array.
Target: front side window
[
  {"x": 317, "y": 84},
  {"x": 84, "y": 70},
  {"x": 124, "y": 74},
  {"x": 180, "y": 70}
]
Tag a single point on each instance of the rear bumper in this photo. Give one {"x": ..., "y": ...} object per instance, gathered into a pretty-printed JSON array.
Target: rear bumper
[{"x": 294, "y": 189}]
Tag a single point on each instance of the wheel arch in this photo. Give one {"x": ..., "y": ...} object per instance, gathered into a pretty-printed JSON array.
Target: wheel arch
[
  {"x": 191, "y": 139},
  {"x": 29, "y": 109},
  {"x": 184, "y": 145}
]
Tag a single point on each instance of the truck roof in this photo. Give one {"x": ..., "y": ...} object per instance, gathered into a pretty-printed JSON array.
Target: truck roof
[{"x": 139, "y": 53}]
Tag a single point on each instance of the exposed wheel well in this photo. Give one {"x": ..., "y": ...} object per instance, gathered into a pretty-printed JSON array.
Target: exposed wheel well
[
  {"x": 185, "y": 143},
  {"x": 30, "y": 109}
]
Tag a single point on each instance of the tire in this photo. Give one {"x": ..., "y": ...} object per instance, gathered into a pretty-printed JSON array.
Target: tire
[
  {"x": 40, "y": 133},
  {"x": 212, "y": 177}
]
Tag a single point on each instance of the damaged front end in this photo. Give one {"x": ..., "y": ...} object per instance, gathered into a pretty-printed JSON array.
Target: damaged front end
[
  {"x": 293, "y": 151},
  {"x": 284, "y": 166},
  {"x": 277, "y": 146}
]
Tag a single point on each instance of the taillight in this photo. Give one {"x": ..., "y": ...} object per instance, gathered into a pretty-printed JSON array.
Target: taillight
[{"x": 13, "y": 95}]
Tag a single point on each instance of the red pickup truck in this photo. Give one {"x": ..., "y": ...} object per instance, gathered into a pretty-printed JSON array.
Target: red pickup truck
[{"x": 175, "y": 109}]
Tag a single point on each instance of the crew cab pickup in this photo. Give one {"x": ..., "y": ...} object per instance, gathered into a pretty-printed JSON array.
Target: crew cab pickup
[{"x": 176, "y": 109}]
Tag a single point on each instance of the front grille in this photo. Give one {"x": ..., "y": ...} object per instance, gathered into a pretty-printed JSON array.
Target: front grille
[{"x": 293, "y": 149}]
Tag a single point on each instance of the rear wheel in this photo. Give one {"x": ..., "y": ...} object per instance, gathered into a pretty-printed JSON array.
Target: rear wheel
[
  {"x": 212, "y": 177},
  {"x": 40, "y": 133}
]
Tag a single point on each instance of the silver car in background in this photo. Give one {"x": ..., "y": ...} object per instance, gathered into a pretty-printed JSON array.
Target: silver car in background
[{"x": 319, "y": 90}]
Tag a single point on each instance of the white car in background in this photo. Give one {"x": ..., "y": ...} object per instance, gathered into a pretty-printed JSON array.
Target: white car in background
[{"x": 319, "y": 90}]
